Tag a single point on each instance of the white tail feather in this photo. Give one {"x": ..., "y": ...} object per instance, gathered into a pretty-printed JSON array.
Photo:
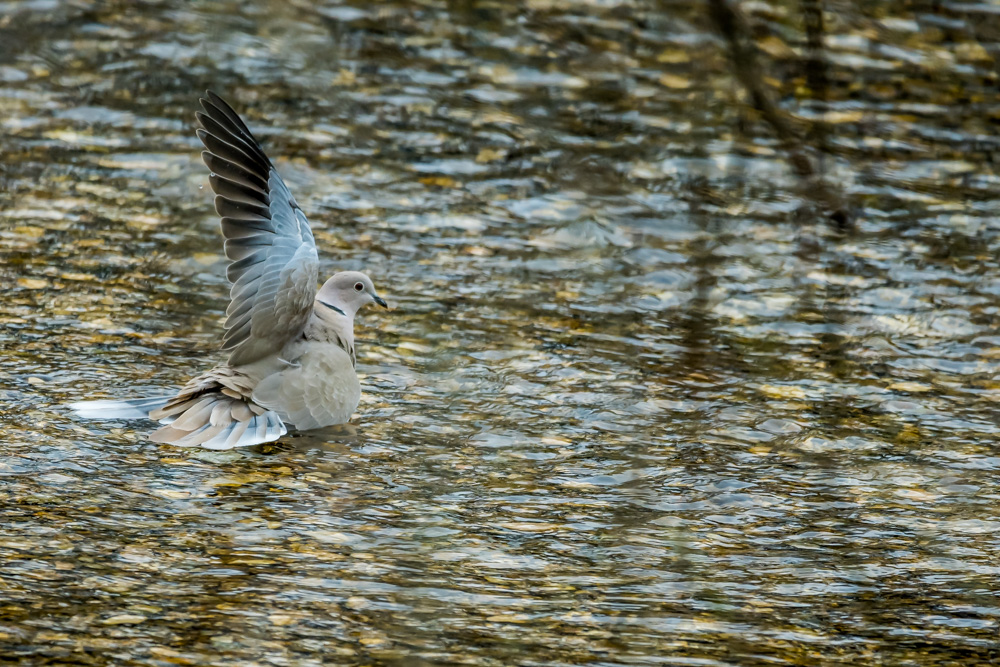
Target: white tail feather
[{"x": 135, "y": 408}]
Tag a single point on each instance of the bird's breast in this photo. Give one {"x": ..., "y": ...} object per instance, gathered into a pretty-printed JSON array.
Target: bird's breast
[{"x": 320, "y": 389}]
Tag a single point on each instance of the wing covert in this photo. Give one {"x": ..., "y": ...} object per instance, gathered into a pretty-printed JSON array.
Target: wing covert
[{"x": 273, "y": 262}]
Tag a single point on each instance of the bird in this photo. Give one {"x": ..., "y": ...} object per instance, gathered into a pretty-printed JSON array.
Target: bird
[{"x": 291, "y": 354}]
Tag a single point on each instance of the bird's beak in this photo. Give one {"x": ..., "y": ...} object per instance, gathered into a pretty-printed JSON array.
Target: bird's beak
[{"x": 380, "y": 301}]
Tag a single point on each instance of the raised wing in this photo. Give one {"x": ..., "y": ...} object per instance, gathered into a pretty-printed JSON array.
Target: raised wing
[{"x": 274, "y": 266}]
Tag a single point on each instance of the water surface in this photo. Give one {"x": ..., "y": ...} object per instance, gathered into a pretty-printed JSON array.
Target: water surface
[{"x": 638, "y": 402}]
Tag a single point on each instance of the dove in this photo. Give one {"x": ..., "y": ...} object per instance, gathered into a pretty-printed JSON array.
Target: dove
[{"x": 291, "y": 355}]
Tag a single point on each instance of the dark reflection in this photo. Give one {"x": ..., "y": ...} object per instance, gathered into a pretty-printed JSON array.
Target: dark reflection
[
  {"x": 817, "y": 79},
  {"x": 743, "y": 53}
]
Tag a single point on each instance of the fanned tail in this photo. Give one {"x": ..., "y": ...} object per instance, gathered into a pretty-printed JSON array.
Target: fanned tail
[
  {"x": 215, "y": 411},
  {"x": 130, "y": 408},
  {"x": 215, "y": 420}
]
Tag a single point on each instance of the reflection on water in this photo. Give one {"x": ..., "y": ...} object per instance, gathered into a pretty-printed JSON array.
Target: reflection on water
[{"x": 637, "y": 402}]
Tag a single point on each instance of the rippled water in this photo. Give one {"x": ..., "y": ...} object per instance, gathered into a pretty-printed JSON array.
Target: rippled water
[{"x": 637, "y": 401}]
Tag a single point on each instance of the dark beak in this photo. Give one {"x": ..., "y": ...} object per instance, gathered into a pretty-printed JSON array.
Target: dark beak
[{"x": 380, "y": 301}]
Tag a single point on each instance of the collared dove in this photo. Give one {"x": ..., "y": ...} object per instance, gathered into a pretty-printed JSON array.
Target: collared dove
[{"x": 291, "y": 349}]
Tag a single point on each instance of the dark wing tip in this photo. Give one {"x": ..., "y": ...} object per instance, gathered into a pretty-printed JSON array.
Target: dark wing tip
[
  {"x": 207, "y": 99},
  {"x": 214, "y": 100},
  {"x": 223, "y": 122},
  {"x": 211, "y": 100}
]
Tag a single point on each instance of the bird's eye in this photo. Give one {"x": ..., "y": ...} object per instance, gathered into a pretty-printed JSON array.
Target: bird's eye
[{"x": 359, "y": 287}]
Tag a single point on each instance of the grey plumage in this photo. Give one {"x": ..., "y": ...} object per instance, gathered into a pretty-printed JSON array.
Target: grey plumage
[
  {"x": 291, "y": 350},
  {"x": 268, "y": 238}
]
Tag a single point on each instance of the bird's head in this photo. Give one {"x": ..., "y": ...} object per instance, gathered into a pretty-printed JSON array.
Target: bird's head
[{"x": 347, "y": 291}]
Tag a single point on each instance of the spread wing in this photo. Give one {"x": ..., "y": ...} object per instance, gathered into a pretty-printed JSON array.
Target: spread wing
[{"x": 274, "y": 266}]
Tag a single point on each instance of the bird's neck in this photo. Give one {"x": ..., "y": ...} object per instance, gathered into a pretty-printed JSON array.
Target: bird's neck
[
  {"x": 334, "y": 306},
  {"x": 332, "y": 323}
]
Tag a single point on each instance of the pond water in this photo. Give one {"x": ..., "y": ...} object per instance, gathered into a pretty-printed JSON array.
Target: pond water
[{"x": 637, "y": 401}]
